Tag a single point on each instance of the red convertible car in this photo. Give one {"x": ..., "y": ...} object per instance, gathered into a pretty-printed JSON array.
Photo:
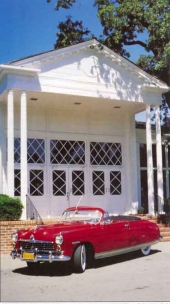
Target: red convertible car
[{"x": 84, "y": 234}]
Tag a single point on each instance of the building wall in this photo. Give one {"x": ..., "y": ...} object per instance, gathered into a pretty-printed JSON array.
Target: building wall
[{"x": 76, "y": 126}]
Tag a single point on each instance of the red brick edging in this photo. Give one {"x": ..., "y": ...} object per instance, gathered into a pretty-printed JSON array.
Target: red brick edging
[{"x": 8, "y": 227}]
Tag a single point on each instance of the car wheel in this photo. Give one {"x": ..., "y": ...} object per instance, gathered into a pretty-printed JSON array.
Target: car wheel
[
  {"x": 146, "y": 250},
  {"x": 80, "y": 258}
]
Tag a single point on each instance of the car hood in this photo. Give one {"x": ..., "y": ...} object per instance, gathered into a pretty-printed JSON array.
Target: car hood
[{"x": 48, "y": 232}]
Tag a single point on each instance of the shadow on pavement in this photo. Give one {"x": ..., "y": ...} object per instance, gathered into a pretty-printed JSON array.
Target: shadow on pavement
[
  {"x": 122, "y": 258},
  {"x": 47, "y": 269},
  {"x": 67, "y": 269}
]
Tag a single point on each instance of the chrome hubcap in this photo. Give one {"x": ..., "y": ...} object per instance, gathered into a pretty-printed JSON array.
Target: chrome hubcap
[{"x": 83, "y": 257}]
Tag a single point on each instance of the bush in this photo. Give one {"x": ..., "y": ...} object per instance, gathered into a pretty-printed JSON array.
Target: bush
[
  {"x": 10, "y": 208},
  {"x": 141, "y": 210}
]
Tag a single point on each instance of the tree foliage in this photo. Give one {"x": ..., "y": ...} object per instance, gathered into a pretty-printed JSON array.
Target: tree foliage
[
  {"x": 70, "y": 33},
  {"x": 123, "y": 22}
]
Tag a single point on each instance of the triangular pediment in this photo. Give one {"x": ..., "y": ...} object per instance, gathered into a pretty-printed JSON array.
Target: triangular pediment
[{"x": 92, "y": 59}]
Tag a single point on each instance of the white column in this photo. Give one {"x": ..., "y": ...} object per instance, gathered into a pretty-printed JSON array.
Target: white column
[
  {"x": 132, "y": 163},
  {"x": 149, "y": 163},
  {"x": 23, "y": 128},
  {"x": 159, "y": 160},
  {"x": 167, "y": 173},
  {"x": 10, "y": 142}
]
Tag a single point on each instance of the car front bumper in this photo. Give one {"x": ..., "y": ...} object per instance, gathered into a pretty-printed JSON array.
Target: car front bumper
[{"x": 46, "y": 257}]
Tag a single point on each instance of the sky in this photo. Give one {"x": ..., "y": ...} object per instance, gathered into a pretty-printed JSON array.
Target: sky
[{"x": 29, "y": 27}]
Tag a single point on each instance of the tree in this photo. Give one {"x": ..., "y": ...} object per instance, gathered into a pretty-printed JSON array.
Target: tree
[
  {"x": 123, "y": 21},
  {"x": 70, "y": 33}
]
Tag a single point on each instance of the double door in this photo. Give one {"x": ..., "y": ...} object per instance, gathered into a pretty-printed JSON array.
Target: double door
[
  {"x": 56, "y": 188},
  {"x": 67, "y": 188}
]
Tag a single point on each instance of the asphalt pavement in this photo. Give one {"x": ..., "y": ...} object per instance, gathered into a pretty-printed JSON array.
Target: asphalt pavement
[{"x": 129, "y": 277}]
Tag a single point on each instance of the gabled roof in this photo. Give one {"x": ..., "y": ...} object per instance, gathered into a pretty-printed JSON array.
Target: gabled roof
[{"x": 31, "y": 61}]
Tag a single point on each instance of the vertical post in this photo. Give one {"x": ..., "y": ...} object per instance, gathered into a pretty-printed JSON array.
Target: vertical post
[
  {"x": 149, "y": 163},
  {"x": 159, "y": 159},
  {"x": 167, "y": 173},
  {"x": 23, "y": 127},
  {"x": 133, "y": 164},
  {"x": 10, "y": 142}
]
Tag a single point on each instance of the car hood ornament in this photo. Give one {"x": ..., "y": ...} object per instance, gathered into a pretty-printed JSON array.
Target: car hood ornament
[{"x": 32, "y": 238}]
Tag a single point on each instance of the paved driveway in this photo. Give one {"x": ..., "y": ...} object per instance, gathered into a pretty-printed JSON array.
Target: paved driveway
[{"x": 124, "y": 278}]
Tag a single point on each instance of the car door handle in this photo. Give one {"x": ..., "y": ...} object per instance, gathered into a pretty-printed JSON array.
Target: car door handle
[{"x": 127, "y": 225}]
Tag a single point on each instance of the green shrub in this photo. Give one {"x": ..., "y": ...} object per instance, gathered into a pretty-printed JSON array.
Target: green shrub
[
  {"x": 167, "y": 205},
  {"x": 10, "y": 208},
  {"x": 141, "y": 210}
]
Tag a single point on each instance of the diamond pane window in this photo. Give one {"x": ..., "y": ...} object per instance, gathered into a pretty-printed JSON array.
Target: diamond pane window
[
  {"x": 115, "y": 183},
  {"x": 17, "y": 150},
  {"x": 36, "y": 182},
  {"x": 67, "y": 152},
  {"x": 35, "y": 151},
  {"x": 17, "y": 182},
  {"x": 102, "y": 153},
  {"x": 78, "y": 182},
  {"x": 98, "y": 183},
  {"x": 59, "y": 183}
]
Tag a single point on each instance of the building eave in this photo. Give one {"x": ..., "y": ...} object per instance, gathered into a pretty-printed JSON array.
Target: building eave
[{"x": 17, "y": 70}]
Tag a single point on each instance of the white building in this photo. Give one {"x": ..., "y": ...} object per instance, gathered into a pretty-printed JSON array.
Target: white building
[{"x": 67, "y": 130}]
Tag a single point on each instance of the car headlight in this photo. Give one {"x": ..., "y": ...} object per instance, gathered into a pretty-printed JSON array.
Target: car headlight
[
  {"x": 14, "y": 237},
  {"x": 59, "y": 239}
]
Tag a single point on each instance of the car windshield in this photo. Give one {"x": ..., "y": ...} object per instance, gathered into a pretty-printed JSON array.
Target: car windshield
[{"x": 92, "y": 216}]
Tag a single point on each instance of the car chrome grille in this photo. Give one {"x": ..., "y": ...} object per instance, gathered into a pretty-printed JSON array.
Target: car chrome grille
[{"x": 44, "y": 246}]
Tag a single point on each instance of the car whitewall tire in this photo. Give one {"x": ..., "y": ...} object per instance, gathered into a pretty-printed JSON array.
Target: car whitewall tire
[
  {"x": 146, "y": 250},
  {"x": 79, "y": 258}
]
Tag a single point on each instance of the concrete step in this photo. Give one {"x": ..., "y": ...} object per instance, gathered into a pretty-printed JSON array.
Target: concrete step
[
  {"x": 166, "y": 239},
  {"x": 165, "y": 235},
  {"x": 166, "y": 229}
]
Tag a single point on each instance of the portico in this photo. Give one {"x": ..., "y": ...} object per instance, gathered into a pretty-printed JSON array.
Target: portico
[{"x": 68, "y": 118}]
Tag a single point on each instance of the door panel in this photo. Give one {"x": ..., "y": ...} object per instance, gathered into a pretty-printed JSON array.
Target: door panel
[
  {"x": 68, "y": 189},
  {"x": 113, "y": 236},
  {"x": 59, "y": 198},
  {"x": 98, "y": 191},
  {"x": 77, "y": 194},
  {"x": 59, "y": 182},
  {"x": 37, "y": 190},
  {"x": 98, "y": 178},
  {"x": 106, "y": 189},
  {"x": 138, "y": 233},
  {"x": 119, "y": 233}
]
